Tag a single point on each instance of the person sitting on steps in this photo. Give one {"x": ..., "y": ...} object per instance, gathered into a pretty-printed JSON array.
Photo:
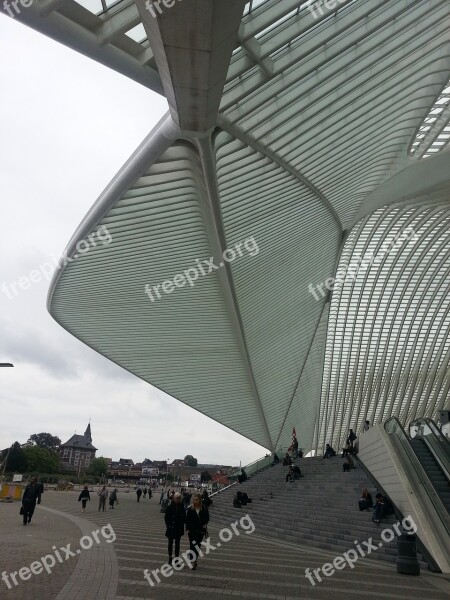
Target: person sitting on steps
[
  {"x": 366, "y": 502},
  {"x": 378, "y": 509},
  {"x": 349, "y": 464},
  {"x": 290, "y": 475},
  {"x": 297, "y": 472},
  {"x": 243, "y": 476},
  {"x": 329, "y": 452},
  {"x": 287, "y": 460}
]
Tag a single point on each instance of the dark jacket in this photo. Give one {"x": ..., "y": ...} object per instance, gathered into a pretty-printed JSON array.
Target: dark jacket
[
  {"x": 351, "y": 438},
  {"x": 31, "y": 494},
  {"x": 175, "y": 518},
  {"x": 84, "y": 494},
  {"x": 196, "y": 523},
  {"x": 368, "y": 499},
  {"x": 41, "y": 491}
]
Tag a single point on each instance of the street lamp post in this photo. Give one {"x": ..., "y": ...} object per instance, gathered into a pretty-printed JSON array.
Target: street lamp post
[
  {"x": 4, "y": 467},
  {"x": 7, "y": 455}
]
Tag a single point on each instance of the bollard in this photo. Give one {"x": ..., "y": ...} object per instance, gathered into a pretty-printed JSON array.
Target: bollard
[{"x": 407, "y": 562}]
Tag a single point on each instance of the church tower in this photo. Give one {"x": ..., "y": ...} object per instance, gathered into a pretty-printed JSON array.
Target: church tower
[{"x": 87, "y": 434}]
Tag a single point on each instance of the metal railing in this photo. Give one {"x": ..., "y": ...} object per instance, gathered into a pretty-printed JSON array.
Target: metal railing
[
  {"x": 262, "y": 463},
  {"x": 254, "y": 467},
  {"x": 394, "y": 428}
]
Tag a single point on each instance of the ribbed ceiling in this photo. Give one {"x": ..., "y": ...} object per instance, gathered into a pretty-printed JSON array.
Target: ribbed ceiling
[{"x": 320, "y": 108}]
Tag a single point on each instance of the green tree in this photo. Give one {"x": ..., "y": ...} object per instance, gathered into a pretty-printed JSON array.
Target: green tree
[
  {"x": 16, "y": 462},
  {"x": 98, "y": 467},
  {"x": 46, "y": 440},
  {"x": 40, "y": 460},
  {"x": 190, "y": 461},
  {"x": 205, "y": 477}
]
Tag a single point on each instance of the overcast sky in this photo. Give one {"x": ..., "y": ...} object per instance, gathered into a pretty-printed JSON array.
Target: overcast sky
[{"x": 67, "y": 125}]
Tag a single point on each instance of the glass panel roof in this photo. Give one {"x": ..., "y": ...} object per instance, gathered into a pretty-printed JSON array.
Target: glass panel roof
[{"x": 388, "y": 338}]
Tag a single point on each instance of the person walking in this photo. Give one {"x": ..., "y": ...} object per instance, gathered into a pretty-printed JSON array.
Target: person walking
[
  {"x": 40, "y": 491},
  {"x": 29, "y": 498},
  {"x": 206, "y": 499},
  {"x": 174, "y": 518},
  {"x": 138, "y": 494},
  {"x": 145, "y": 493},
  {"x": 197, "y": 519},
  {"x": 102, "y": 496},
  {"x": 84, "y": 497},
  {"x": 161, "y": 497},
  {"x": 113, "y": 498},
  {"x": 150, "y": 493}
]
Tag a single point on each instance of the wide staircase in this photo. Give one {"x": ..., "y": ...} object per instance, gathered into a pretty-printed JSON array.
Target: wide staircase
[{"x": 319, "y": 510}]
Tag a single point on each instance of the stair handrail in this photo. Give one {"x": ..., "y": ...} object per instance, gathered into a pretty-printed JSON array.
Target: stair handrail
[
  {"x": 393, "y": 427},
  {"x": 260, "y": 464},
  {"x": 437, "y": 443}
]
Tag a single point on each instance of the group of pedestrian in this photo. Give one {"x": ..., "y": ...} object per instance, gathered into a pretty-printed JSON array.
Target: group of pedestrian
[
  {"x": 143, "y": 492},
  {"x": 382, "y": 506},
  {"x": 103, "y": 496},
  {"x": 294, "y": 473},
  {"x": 350, "y": 446},
  {"x": 192, "y": 521}
]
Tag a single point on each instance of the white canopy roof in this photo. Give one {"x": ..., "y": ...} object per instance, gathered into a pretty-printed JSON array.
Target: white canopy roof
[{"x": 300, "y": 127}]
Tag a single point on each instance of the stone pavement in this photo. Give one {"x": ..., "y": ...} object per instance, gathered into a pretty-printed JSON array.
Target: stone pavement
[
  {"x": 20, "y": 546},
  {"x": 248, "y": 566}
]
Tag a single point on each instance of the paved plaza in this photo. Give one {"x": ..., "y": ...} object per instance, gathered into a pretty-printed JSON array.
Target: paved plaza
[{"x": 247, "y": 566}]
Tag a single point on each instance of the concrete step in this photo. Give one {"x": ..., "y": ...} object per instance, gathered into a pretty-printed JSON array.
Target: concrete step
[{"x": 319, "y": 510}]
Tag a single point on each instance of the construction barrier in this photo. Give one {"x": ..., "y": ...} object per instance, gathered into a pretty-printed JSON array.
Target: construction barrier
[{"x": 12, "y": 490}]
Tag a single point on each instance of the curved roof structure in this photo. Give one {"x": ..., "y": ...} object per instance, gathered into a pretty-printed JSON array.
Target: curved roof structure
[{"x": 293, "y": 143}]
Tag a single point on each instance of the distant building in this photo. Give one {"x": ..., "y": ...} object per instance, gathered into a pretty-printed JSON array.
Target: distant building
[{"x": 78, "y": 452}]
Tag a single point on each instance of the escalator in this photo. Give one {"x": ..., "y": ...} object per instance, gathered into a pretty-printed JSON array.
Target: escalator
[{"x": 433, "y": 451}]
